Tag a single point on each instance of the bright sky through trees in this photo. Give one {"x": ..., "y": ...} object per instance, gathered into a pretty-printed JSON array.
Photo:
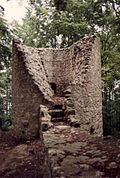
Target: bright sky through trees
[{"x": 14, "y": 9}]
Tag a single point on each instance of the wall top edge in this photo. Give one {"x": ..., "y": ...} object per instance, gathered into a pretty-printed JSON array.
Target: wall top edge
[{"x": 86, "y": 39}]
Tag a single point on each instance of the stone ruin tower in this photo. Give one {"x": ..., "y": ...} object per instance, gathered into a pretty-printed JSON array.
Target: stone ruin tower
[{"x": 39, "y": 74}]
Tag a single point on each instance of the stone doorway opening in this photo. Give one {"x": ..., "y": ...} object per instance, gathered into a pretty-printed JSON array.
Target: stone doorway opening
[{"x": 54, "y": 87}]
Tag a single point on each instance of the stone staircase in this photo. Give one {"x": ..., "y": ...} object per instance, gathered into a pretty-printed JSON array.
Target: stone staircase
[
  {"x": 61, "y": 112},
  {"x": 57, "y": 112}
]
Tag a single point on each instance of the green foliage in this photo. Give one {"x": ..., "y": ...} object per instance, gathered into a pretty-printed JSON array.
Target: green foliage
[
  {"x": 33, "y": 30},
  {"x": 5, "y": 54},
  {"x": 5, "y": 98},
  {"x": 60, "y": 5},
  {"x": 5, "y": 39}
]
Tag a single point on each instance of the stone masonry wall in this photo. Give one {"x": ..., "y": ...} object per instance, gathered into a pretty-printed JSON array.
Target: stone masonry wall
[
  {"x": 86, "y": 85},
  {"x": 27, "y": 95},
  {"x": 62, "y": 70},
  {"x": 58, "y": 67},
  {"x": 29, "y": 89},
  {"x": 46, "y": 55}
]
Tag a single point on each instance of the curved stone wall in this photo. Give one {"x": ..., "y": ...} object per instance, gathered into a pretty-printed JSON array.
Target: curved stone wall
[{"x": 78, "y": 67}]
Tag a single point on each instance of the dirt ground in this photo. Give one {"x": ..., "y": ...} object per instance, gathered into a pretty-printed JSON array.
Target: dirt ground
[
  {"x": 21, "y": 160},
  {"x": 76, "y": 154},
  {"x": 72, "y": 154}
]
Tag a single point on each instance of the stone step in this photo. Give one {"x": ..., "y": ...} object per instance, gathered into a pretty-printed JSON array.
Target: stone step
[
  {"x": 57, "y": 106},
  {"x": 70, "y": 111},
  {"x": 57, "y": 119},
  {"x": 58, "y": 102},
  {"x": 56, "y": 113}
]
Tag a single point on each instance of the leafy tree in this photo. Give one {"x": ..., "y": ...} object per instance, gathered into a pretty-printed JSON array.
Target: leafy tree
[{"x": 5, "y": 53}]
